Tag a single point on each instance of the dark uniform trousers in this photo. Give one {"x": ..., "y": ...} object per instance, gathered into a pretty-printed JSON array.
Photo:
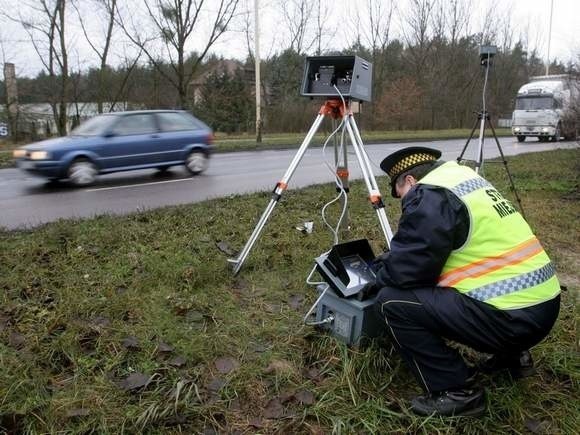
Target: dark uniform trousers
[{"x": 419, "y": 320}]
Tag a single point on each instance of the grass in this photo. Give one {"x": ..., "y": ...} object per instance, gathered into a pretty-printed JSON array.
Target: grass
[
  {"x": 86, "y": 304},
  {"x": 244, "y": 142}
]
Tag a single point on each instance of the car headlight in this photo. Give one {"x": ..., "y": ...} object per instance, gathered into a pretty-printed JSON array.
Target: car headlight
[
  {"x": 18, "y": 154},
  {"x": 39, "y": 155},
  {"x": 544, "y": 130},
  {"x": 517, "y": 129}
]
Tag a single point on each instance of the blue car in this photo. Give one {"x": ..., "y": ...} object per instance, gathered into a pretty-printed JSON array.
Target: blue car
[{"x": 121, "y": 141}]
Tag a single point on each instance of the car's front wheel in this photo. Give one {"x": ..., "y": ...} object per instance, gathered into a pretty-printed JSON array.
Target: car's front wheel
[
  {"x": 196, "y": 162},
  {"x": 521, "y": 138},
  {"x": 82, "y": 172}
]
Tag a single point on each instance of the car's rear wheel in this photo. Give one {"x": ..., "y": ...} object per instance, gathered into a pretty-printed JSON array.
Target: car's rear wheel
[
  {"x": 82, "y": 172},
  {"x": 196, "y": 162}
]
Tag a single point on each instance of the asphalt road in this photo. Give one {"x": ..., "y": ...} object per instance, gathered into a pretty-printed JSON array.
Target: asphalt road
[{"x": 27, "y": 201}]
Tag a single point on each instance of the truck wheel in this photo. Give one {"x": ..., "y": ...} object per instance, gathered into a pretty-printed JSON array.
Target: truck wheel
[
  {"x": 557, "y": 134},
  {"x": 521, "y": 138}
]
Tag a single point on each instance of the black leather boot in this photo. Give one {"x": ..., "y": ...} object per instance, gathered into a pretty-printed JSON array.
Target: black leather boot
[
  {"x": 519, "y": 365},
  {"x": 451, "y": 403}
]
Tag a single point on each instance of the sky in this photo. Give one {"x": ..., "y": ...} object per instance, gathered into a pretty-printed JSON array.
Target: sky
[{"x": 529, "y": 19}]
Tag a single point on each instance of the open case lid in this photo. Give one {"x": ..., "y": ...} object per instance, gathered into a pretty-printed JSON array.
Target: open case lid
[{"x": 346, "y": 268}]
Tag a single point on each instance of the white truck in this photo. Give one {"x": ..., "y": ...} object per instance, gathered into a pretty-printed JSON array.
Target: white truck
[{"x": 547, "y": 108}]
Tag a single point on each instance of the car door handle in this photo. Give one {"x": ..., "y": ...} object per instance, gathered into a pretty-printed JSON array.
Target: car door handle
[{"x": 155, "y": 136}]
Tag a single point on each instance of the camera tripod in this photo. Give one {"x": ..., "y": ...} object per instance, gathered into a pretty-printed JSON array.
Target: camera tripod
[
  {"x": 336, "y": 109},
  {"x": 482, "y": 120}
]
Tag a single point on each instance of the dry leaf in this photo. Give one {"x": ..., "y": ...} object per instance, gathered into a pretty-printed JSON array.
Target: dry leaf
[
  {"x": 16, "y": 340},
  {"x": 135, "y": 381},
  {"x": 178, "y": 361},
  {"x": 274, "y": 409},
  {"x": 305, "y": 397},
  {"x": 225, "y": 248},
  {"x": 163, "y": 347},
  {"x": 313, "y": 374},
  {"x": 216, "y": 384},
  {"x": 537, "y": 426},
  {"x": 130, "y": 343},
  {"x": 226, "y": 365}
]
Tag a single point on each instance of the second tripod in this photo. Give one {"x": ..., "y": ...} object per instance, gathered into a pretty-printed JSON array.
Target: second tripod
[{"x": 483, "y": 120}]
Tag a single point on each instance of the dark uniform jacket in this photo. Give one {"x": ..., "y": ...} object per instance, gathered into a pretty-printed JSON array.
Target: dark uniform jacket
[{"x": 433, "y": 223}]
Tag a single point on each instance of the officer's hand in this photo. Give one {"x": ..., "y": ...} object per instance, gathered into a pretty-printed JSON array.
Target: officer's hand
[
  {"x": 378, "y": 263},
  {"x": 369, "y": 289}
]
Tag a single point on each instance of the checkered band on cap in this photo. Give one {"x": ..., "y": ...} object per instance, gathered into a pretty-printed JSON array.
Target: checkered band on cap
[
  {"x": 514, "y": 284},
  {"x": 409, "y": 162}
]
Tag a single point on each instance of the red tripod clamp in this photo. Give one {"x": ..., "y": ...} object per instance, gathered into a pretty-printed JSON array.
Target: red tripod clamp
[{"x": 336, "y": 109}]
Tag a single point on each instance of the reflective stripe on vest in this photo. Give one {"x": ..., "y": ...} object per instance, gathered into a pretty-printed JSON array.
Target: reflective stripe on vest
[
  {"x": 501, "y": 262},
  {"x": 511, "y": 285},
  {"x": 486, "y": 265}
]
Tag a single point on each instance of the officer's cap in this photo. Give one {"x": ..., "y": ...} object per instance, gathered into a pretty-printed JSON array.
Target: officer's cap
[{"x": 403, "y": 160}]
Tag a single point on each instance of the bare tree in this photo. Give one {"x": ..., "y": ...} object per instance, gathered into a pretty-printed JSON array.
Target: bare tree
[
  {"x": 322, "y": 28},
  {"x": 374, "y": 28},
  {"x": 417, "y": 33},
  {"x": 44, "y": 22},
  {"x": 175, "y": 22},
  {"x": 458, "y": 20},
  {"x": 297, "y": 15},
  {"x": 109, "y": 7}
]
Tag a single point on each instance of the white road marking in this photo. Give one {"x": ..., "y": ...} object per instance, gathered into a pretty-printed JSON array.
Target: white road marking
[{"x": 137, "y": 185}]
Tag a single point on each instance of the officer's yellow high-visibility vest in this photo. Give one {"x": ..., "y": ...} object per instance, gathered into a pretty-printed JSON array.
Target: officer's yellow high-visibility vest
[{"x": 501, "y": 263}]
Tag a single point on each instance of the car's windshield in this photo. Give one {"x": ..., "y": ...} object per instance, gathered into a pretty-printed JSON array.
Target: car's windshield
[
  {"x": 94, "y": 127},
  {"x": 534, "y": 103}
]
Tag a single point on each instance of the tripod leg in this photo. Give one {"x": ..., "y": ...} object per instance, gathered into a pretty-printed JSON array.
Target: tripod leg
[
  {"x": 276, "y": 195},
  {"x": 460, "y": 158},
  {"x": 369, "y": 178},
  {"x": 479, "y": 161},
  {"x": 512, "y": 184}
]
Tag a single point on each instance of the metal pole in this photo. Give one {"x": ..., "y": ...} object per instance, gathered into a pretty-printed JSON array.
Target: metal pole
[
  {"x": 479, "y": 159},
  {"x": 276, "y": 195},
  {"x": 549, "y": 38},
  {"x": 257, "y": 68}
]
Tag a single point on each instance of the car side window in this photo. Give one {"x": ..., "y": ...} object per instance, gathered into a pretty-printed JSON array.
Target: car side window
[
  {"x": 176, "y": 122},
  {"x": 135, "y": 124}
]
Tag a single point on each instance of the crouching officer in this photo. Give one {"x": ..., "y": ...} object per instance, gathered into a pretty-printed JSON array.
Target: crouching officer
[{"x": 464, "y": 266}]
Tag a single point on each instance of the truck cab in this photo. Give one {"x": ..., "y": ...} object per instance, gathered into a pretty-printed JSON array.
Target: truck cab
[{"x": 542, "y": 109}]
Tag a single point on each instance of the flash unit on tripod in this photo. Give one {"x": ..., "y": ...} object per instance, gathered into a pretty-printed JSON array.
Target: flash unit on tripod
[{"x": 486, "y": 54}]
